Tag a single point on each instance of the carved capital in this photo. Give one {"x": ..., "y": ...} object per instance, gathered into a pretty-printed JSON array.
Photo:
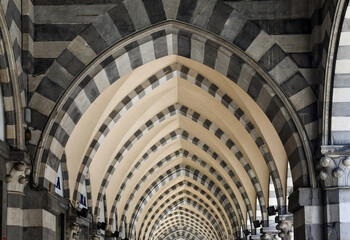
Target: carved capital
[
  {"x": 73, "y": 231},
  {"x": 285, "y": 226},
  {"x": 335, "y": 170},
  {"x": 17, "y": 176},
  {"x": 269, "y": 233}
]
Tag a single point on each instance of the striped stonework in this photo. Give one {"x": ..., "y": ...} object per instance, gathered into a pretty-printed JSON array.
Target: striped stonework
[
  {"x": 190, "y": 192},
  {"x": 188, "y": 214},
  {"x": 12, "y": 78},
  {"x": 188, "y": 113},
  {"x": 308, "y": 220},
  {"x": 97, "y": 38},
  {"x": 192, "y": 196},
  {"x": 202, "y": 181},
  {"x": 197, "y": 79},
  {"x": 15, "y": 215},
  {"x": 211, "y": 224},
  {"x": 340, "y": 121}
]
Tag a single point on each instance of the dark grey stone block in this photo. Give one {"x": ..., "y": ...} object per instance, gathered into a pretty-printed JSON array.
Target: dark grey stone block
[
  {"x": 303, "y": 60},
  {"x": 16, "y": 49},
  {"x": 14, "y": 200},
  {"x": 309, "y": 114},
  {"x": 49, "y": 89},
  {"x": 111, "y": 70},
  {"x": 210, "y": 53},
  {"x": 13, "y": 14},
  {"x": 91, "y": 91},
  {"x": 94, "y": 39},
  {"x": 38, "y": 120},
  {"x": 70, "y": 62},
  {"x": 14, "y": 232},
  {"x": 219, "y": 17},
  {"x": 9, "y": 118},
  {"x": 74, "y": 113},
  {"x": 254, "y": 89},
  {"x": 247, "y": 35},
  {"x": 61, "y": 135},
  {"x": 135, "y": 56},
  {"x": 155, "y": 10},
  {"x": 294, "y": 84},
  {"x": 122, "y": 20},
  {"x": 288, "y": 128},
  {"x": 272, "y": 57},
  {"x": 57, "y": 32},
  {"x": 107, "y": 29},
  {"x": 285, "y": 26},
  {"x": 41, "y": 65},
  {"x": 27, "y": 26},
  {"x": 53, "y": 162},
  {"x": 38, "y": 233},
  {"x": 186, "y": 9},
  {"x": 234, "y": 68}
]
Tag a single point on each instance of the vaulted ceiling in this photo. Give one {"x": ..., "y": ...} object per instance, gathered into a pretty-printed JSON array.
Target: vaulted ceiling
[{"x": 176, "y": 144}]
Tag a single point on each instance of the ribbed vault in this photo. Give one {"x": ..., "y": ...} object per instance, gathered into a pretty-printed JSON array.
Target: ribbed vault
[{"x": 175, "y": 150}]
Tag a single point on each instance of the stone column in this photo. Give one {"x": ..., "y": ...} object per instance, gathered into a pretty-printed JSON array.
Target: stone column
[
  {"x": 4, "y": 155},
  {"x": 335, "y": 174},
  {"x": 307, "y": 207},
  {"x": 17, "y": 174}
]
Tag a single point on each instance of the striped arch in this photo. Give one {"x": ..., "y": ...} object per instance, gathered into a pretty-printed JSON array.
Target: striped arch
[
  {"x": 335, "y": 129},
  {"x": 181, "y": 232},
  {"x": 210, "y": 220},
  {"x": 215, "y": 210},
  {"x": 191, "y": 188},
  {"x": 179, "y": 220},
  {"x": 62, "y": 135},
  {"x": 12, "y": 94},
  {"x": 205, "y": 84},
  {"x": 186, "y": 212},
  {"x": 179, "y": 171},
  {"x": 207, "y": 100},
  {"x": 198, "y": 143}
]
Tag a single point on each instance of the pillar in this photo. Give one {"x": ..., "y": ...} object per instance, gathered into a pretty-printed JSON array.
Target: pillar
[
  {"x": 335, "y": 174},
  {"x": 17, "y": 174},
  {"x": 4, "y": 155},
  {"x": 306, "y": 204}
]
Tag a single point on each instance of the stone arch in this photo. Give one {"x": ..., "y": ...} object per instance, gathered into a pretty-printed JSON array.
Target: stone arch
[
  {"x": 115, "y": 54},
  {"x": 333, "y": 131},
  {"x": 276, "y": 72},
  {"x": 11, "y": 92}
]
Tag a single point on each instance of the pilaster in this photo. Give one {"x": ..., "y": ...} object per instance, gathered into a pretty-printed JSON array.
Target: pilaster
[{"x": 335, "y": 174}]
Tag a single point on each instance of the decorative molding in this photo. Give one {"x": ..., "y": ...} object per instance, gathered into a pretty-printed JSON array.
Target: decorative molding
[
  {"x": 17, "y": 176},
  {"x": 335, "y": 170}
]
